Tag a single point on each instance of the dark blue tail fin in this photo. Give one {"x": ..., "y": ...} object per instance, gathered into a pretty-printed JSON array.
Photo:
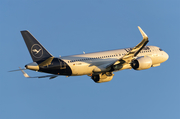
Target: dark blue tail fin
[{"x": 37, "y": 51}]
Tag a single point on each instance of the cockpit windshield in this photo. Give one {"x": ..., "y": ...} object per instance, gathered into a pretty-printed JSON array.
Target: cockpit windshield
[{"x": 160, "y": 49}]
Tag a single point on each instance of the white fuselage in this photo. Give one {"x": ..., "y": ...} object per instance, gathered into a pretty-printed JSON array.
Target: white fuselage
[
  {"x": 99, "y": 65},
  {"x": 84, "y": 64}
]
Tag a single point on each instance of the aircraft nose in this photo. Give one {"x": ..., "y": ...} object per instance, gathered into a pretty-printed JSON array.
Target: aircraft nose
[{"x": 166, "y": 56}]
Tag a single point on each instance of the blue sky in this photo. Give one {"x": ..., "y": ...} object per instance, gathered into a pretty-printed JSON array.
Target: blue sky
[{"x": 68, "y": 27}]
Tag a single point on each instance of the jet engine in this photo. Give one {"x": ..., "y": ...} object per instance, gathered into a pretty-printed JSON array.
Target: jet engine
[
  {"x": 141, "y": 63},
  {"x": 103, "y": 77}
]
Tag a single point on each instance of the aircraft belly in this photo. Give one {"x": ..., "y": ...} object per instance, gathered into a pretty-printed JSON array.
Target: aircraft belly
[
  {"x": 86, "y": 68},
  {"x": 156, "y": 59},
  {"x": 103, "y": 61},
  {"x": 81, "y": 69},
  {"x": 127, "y": 66}
]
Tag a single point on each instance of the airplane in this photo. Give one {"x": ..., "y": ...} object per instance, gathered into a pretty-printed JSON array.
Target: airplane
[{"x": 99, "y": 65}]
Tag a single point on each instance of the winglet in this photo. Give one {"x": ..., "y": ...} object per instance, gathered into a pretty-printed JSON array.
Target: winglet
[
  {"x": 24, "y": 73},
  {"x": 142, "y": 32}
]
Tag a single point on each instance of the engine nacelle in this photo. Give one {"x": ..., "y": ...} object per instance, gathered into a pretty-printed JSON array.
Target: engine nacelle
[
  {"x": 141, "y": 63},
  {"x": 103, "y": 77}
]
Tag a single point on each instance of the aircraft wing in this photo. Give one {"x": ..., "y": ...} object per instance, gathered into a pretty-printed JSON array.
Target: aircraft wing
[
  {"x": 127, "y": 58},
  {"x": 27, "y": 76}
]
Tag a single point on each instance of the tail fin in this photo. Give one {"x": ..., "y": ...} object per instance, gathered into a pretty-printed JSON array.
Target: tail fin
[{"x": 36, "y": 50}]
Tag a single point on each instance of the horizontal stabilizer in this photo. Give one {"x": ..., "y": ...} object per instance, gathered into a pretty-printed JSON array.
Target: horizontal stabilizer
[
  {"x": 27, "y": 76},
  {"x": 16, "y": 70},
  {"x": 24, "y": 73}
]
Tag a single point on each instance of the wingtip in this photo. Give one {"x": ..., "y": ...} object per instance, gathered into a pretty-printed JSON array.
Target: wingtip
[{"x": 144, "y": 35}]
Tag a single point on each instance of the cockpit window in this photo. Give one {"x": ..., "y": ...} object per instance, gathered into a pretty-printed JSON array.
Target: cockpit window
[{"x": 160, "y": 49}]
